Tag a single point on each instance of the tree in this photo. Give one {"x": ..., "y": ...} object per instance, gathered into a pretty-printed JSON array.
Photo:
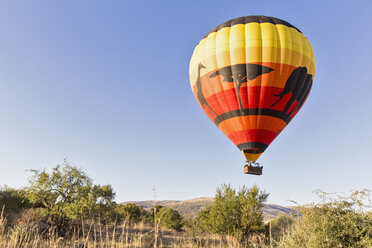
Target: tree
[
  {"x": 129, "y": 211},
  {"x": 236, "y": 213},
  {"x": 149, "y": 218},
  {"x": 68, "y": 193},
  {"x": 169, "y": 218},
  {"x": 156, "y": 208},
  {"x": 146, "y": 216},
  {"x": 341, "y": 221}
]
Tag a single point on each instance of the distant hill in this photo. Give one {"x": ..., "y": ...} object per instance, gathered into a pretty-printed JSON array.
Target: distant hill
[{"x": 190, "y": 208}]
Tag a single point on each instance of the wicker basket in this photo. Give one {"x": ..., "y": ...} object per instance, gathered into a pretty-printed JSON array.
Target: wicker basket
[{"x": 253, "y": 170}]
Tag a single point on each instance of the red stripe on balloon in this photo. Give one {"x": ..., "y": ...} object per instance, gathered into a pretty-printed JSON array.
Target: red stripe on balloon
[
  {"x": 254, "y": 135},
  {"x": 252, "y": 97}
]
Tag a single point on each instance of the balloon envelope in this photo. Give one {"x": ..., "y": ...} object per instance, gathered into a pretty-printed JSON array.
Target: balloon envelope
[{"x": 251, "y": 75}]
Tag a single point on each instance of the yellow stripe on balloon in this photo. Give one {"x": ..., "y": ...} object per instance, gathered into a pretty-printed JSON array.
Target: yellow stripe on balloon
[
  {"x": 251, "y": 156},
  {"x": 251, "y": 43}
]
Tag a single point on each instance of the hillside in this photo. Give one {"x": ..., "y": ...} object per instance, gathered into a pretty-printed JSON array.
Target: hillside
[{"x": 190, "y": 208}]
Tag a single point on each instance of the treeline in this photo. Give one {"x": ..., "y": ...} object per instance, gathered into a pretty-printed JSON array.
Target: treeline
[
  {"x": 67, "y": 195},
  {"x": 65, "y": 198}
]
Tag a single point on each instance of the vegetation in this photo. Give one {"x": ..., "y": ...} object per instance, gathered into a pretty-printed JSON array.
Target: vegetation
[
  {"x": 169, "y": 218},
  {"x": 235, "y": 213},
  {"x": 278, "y": 227},
  {"x": 64, "y": 208},
  {"x": 340, "y": 221},
  {"x": 13, "y": 201},
  {"x": 132, "y": 213},
  {"x": 67, "y": 193}
]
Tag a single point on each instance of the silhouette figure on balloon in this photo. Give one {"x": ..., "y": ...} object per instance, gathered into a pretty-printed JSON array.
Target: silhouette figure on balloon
[
  {"x": 200, "y": 95},
  {"x": 299, "y": 84},
  {"x": 241, "y": 73}
]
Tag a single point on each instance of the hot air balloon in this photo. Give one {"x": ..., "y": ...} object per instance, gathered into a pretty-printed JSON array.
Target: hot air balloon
[{"x": 251, "y": 75}]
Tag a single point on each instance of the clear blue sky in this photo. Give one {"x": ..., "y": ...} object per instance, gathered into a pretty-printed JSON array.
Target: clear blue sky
[{"x": 105, "y": 84}]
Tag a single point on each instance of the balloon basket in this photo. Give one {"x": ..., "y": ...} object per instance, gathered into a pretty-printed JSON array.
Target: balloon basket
[{"x": 253, "y": 168}]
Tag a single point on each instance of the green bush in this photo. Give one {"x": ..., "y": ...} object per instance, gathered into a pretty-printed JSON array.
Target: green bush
[
  {"x": 146, "y": 216},
  {"x": 280, "y": 226},
  {"x": 129, "y": 211},
  {"x": 236, "y": 213},
  {"x": 341, "y": 221},
  {"x": 169, "y": 218},
  {"x": 67, "y": 193},
  {"x": 13, "y": 202}
]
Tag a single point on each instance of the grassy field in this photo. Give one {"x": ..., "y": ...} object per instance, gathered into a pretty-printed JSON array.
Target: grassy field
[
  {"x": 90, "y": 234},
  {"x": 64, "y": 209}
]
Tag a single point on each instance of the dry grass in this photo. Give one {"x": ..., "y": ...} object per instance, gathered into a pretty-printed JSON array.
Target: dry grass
[{"x": 92, "y": 234}]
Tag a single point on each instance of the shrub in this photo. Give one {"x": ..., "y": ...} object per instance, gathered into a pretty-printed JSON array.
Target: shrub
[
  {"x": 13, "y": 202},
  {"x": 170, "y": 218},
  {"x": 280, "y": 226},
  {"x": 146, "y": 216},
  {"x": 236, "y": 213},
  {"x": 67, "y": 193},
  {"x": 129, "y": 211},
  {"x": 340, "y": 221}
]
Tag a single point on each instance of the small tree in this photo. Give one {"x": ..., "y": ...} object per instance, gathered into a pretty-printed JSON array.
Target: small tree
[
  {"x": 156, "y": 208},
  {"x": 170, "y": 218},
  {"x": 68, "y": 193},
  {"x": 236, "y": 213},
  {"x": 146, "y": 216},
  {"x": 129, "y": 211},
  {"x": 341, "y": 221}
]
